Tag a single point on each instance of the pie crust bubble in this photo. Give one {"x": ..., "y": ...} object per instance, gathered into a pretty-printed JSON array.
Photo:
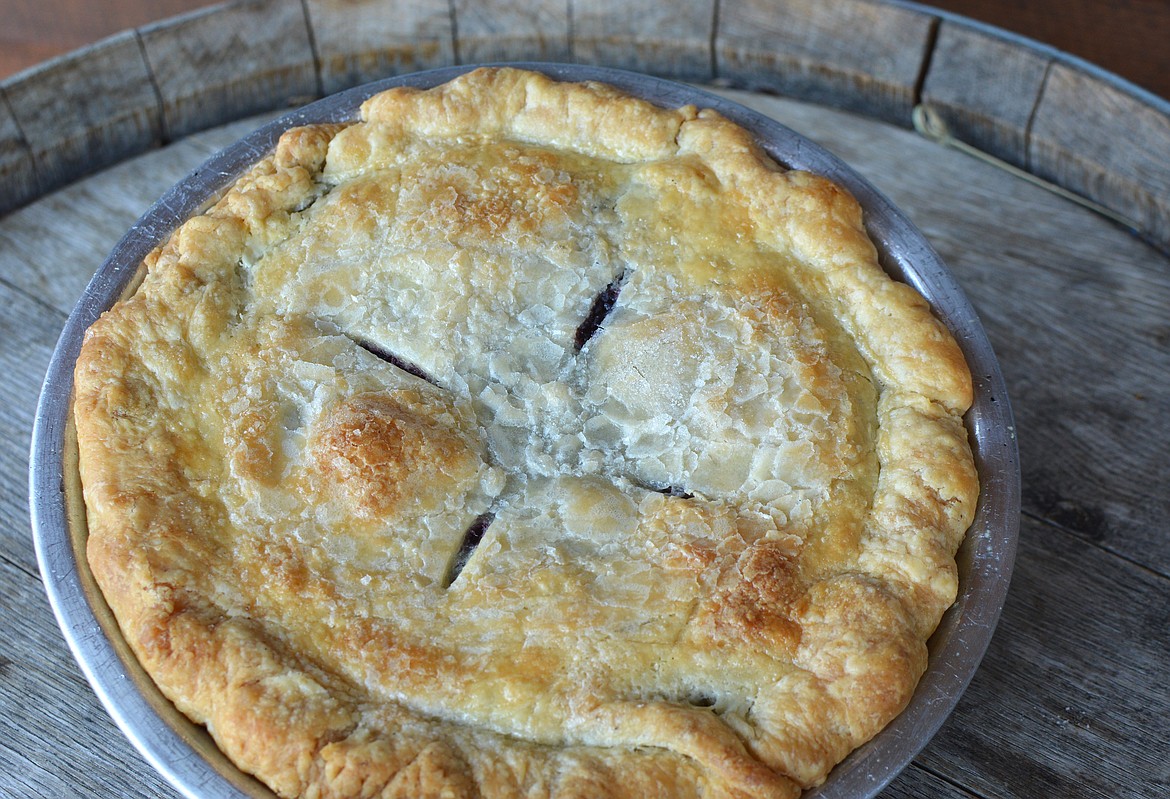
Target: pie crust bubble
[{"x": 525, "y": 439}]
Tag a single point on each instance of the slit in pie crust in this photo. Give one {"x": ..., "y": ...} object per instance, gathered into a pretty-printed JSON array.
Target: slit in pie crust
[{"x": 524, "y": 439}]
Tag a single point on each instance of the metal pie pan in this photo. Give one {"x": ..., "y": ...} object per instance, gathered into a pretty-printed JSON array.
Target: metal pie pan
[{"x": 185, "y": 754}]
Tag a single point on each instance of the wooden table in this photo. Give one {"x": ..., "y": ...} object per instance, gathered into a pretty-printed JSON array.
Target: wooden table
[{"x": 1073, "y": 697}]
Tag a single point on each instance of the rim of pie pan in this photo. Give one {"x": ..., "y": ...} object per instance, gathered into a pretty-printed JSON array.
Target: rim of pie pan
[{"x": 185, "y": 754}]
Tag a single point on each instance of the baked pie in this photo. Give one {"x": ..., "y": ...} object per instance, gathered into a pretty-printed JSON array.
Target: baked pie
[{"x": 524, "y": 439}]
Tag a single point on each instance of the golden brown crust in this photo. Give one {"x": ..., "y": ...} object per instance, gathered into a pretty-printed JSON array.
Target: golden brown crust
[{"x": 717, "y": 528}]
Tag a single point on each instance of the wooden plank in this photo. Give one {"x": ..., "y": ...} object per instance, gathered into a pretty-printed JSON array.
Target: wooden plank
[
  {"x": 672, "y": 41},
  {"x": 917, "y": 783},
  {"x": 984, "y": 88},
  {"x": 18, "y": 178},
  {"x": 1072, "y": 698},
  {"x": 213, "y": 140},
  {"x": 43, "y": 261},
  {"x": 231, "y": 61},
  {"x": 1107, "y": 141},
  {"x": 359, "y": 41},
  {"x": 58, "y": 739},
  {"x": 36, "y": 32},
  {"x": 859, "y": 55},
  {"x": 86, "y": 110},
  {"x": 29, "y": 332},
  {"x": 1127, "y": 37},
  {"x": 511, "y": 30}
]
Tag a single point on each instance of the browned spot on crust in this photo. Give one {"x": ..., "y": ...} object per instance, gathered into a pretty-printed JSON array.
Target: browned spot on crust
[
  {"x": 509, "y": 193},
  {"x": 377, "y": 453},
  {"x": 758, "y": 600}
]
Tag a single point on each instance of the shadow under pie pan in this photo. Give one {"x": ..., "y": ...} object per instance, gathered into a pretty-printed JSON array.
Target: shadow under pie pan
[{"x": 185, "y": 753}]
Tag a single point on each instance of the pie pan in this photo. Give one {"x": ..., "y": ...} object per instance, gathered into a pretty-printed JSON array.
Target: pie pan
[{"x": 185, "y": 754}]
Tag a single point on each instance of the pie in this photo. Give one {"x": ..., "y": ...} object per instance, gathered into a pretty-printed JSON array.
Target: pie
[{"x": 525, "y": 439}]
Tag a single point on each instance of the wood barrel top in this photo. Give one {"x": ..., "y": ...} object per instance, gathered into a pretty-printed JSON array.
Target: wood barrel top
[
  {"x": 1073, "y": 697},
  {"x": 1046, "y": 112}
]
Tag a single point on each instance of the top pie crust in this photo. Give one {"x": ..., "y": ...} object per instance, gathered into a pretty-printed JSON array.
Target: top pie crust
[{"x": 718, "y": 518}]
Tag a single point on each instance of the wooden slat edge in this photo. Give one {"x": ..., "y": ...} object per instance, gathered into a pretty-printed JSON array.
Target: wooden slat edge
[
  {"x": 506, "y": 30},
  {"x": 1102, "y": 137},
  {"x": 84, "y": 111},
  {"x": 1088, "y": 132},
  {"x": 205, "y": 77},
  {"x": 859, "y": 55},
  {"x": 670, "y": 41},
  {"x": 358, "y": 41},
  {"x": 18, "y": 176},
  {"x": 984, "y": 88}
]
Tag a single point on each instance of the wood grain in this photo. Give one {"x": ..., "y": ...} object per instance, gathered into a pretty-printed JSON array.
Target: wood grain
[
  {"x": 1074, "y": 126},
  {"x": 647, "y": 36},
  {"x": 1088, "y": 633},
  {"x": 51, "y": 715},
  {"x": 37, "y": 30},
  {"x": 1124, "y": 36},
  {"x": 855, "y": 54},
  {"x": 511, "y": 30},
  {"x": 358, "y": 41},
  {"x": 28, "y": 331},
  {"x": 1127, "y": 37},
  {"x": 985, "y": 89},
  {"x": 236, "y": 60},
  {"x": 17, "y": 174},
  {"x": 85, "y": 111},
  {"x": 47, "y": 707},
  {"x": 918, "y": 783},
  {"x": 1094, "y": 137}
]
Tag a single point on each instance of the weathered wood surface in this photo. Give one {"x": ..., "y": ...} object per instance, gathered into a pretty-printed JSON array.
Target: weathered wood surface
[
  {"x": 859, "y": 55},
  {"x": 212, "y": 67},
  {"x": 359, "y": 42},
  {"x": 1032, "y": 106},
  {"x": 511, "y": 30},
  {"x": 1127, "y": 37},
  {"x": 94, "y": 105},
  {"x": 16, "y": 163},
  {"x": 1073, "y": 698},
  {"x": 668, "y": 40},
  {"x": 1063, "y": 121},
  {"x": 985, "y": 89},
  {"x": 1116, "y": 151}
]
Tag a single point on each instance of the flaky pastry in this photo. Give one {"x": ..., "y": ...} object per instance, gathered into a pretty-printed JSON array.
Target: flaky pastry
[{"x": 524, "y": 439}]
